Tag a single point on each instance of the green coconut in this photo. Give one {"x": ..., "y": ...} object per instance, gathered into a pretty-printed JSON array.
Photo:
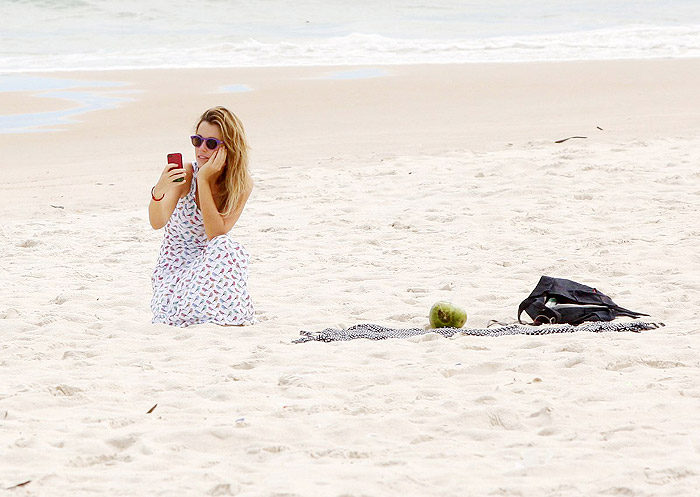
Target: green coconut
[{"x": 447, "y": 315}]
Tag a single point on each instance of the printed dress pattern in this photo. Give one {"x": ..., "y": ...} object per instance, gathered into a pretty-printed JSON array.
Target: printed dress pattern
[{"x": 198, "y": 280}]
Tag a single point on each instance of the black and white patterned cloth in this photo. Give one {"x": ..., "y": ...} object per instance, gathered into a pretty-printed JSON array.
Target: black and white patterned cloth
[{"x": 377, "y": 332}]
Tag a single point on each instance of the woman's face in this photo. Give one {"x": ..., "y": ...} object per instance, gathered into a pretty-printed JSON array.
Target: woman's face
[{"x": 206, "y": 130}]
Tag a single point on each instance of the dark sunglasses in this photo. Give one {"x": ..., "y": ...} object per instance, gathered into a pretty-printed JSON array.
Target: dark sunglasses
[{"x": 211, "y": 143}]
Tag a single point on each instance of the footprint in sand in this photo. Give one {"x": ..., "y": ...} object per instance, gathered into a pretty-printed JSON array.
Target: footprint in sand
[
  {"x": 122, "y": 443},
  {"x": 224, "y": 489},
  {"x": 65, "y": 390},
  {"x": 29, "y": 243},
  {"x": 245, "y": 365}
]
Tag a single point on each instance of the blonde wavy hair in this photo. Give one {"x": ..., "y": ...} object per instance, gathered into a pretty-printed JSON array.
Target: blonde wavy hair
[{"x": 234, "y": 177}]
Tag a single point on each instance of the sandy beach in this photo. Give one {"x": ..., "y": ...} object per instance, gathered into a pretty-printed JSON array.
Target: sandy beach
[{"x": 379, "y": 190}]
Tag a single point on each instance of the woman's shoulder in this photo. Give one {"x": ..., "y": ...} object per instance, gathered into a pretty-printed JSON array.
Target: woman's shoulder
[{"x": 246, "y": 190}]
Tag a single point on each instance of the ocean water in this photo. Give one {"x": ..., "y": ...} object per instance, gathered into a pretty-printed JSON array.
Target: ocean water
[
  {"x": 56, "y": 35},
  {"x": 85, "y": 96}
]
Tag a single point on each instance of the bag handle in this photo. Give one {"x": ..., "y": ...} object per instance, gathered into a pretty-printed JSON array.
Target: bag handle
[
  {"x": 551, "y": 315},
  {"x": 523, "y": 305}
]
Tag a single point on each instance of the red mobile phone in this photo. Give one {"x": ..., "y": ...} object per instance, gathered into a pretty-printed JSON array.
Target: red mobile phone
[{"x": 176, "y": 159}]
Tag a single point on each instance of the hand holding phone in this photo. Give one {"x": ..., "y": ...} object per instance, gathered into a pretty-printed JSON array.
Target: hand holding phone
[{"x": 176, "y": 160}]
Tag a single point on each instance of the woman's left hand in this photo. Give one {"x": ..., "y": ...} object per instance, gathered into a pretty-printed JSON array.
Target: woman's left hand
[{"x": 214, "y": 165}]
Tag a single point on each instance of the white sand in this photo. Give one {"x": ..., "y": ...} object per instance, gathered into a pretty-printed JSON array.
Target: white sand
[{"x": 374, "y": 198}]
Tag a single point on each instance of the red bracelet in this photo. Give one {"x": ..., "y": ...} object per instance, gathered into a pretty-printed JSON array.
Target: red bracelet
[{"x": 153, "y": 191}]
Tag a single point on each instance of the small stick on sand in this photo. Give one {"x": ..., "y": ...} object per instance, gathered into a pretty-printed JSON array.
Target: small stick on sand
[
  {"x": 19, "y": 485},
  {"x": 569, "y": 138}
]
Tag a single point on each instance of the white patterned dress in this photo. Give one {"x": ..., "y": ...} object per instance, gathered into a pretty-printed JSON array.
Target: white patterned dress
[{"x": 198, "y": 280}]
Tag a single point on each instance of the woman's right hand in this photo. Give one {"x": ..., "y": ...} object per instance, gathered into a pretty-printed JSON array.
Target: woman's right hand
[
  {"x": 167, "y": 192},
  {"x": 167, "y": 182}
]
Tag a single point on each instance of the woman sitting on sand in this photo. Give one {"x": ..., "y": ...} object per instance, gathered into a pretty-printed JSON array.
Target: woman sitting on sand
[{"x": 201, "y": 275}]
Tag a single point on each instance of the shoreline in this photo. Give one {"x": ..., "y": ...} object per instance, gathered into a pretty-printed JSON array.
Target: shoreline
[{"x": 78, "y": 70}]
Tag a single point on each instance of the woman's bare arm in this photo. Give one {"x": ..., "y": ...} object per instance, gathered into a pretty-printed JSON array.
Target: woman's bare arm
[
  {"x": 169, "y": 192},
  {"x": 214, "y": 223}
]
